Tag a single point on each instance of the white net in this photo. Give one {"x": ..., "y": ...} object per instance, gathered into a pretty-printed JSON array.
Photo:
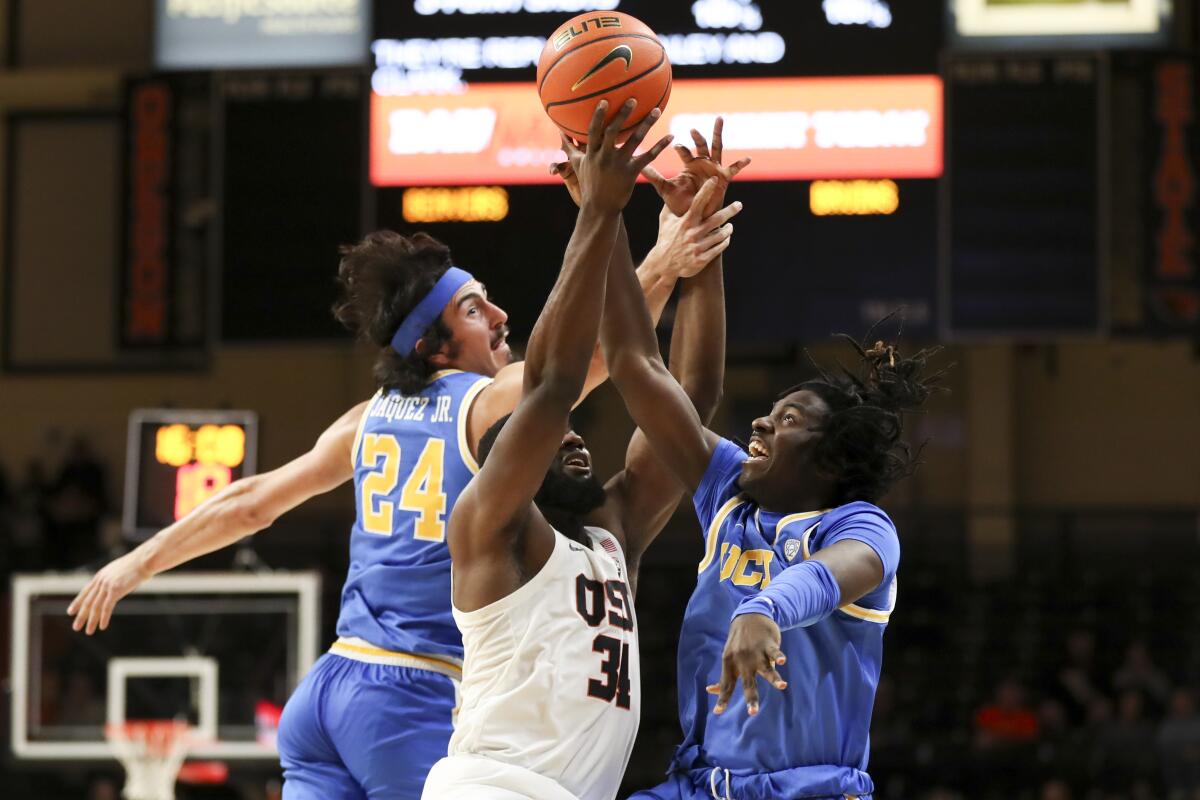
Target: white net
[{"x": 152, "y": 752}]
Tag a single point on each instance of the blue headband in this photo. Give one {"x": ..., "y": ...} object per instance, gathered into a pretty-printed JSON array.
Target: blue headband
[{"x": 429, "y": 309}]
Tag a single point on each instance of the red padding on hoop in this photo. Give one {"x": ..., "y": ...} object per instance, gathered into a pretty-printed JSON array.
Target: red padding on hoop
[{"x": 204, "y": 772}]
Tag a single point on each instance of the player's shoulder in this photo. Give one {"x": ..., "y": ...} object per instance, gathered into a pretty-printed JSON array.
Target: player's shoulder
[
  {"x": 864, "y": 522},
  {"x": 858, "y": 511},
  {"x": 724, "y": 467}
]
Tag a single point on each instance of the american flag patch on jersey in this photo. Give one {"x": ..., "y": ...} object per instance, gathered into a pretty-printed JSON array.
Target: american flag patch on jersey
[{"x": 614, "y": 552}]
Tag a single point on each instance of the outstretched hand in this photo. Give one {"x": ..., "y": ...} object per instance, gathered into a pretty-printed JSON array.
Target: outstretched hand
[
  {"x": 606, "y": 172},
  {"x": 678, "y": 192},
  {"x": 689, "y": 243},
  {"x": 752, "y": 649},
  {"x": 93, "y": 606}
]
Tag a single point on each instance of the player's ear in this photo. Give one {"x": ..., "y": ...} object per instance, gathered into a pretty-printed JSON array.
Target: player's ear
[{"x": 438, "y": 360}]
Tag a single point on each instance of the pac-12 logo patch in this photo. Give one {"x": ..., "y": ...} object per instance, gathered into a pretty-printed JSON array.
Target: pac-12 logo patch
[{"x": 791, "y": 548}]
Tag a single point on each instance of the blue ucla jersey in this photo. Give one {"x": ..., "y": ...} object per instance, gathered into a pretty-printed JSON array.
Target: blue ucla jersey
[
  {"x": 810, "y": 740},
  {"x": 411, "y": 462}
]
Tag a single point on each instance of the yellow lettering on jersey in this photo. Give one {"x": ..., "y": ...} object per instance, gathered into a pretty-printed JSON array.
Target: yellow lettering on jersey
[
  {"x": 381, "y": 481},
  {"x": 761, "y": 576},
  {"x": 727, "y": 564},
  {"x": 423, "y": 493}
]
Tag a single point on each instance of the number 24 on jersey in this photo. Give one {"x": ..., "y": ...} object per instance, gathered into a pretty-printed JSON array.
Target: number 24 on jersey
[{"x": 422, "y": 492}]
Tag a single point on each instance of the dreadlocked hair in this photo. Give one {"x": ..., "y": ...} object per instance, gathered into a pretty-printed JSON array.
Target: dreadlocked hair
[
  {"x": 861, "y": 438},
  {"x": 383, "y": 277}
]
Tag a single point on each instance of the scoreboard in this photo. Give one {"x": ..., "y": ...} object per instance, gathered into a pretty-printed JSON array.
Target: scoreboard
[
  {"x": 177, "y": 459},
  {"x": 838, "y": 103},
  {"x": 1025, "y": 192}
]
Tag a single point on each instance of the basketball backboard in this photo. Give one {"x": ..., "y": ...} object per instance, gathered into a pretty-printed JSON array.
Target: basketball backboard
[{"x": 213, "y": 649}]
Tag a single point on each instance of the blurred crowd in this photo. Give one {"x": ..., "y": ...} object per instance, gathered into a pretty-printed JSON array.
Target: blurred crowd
[
  {"x": 56, "y": 514},
  {"x": 1084, "y": 730}
]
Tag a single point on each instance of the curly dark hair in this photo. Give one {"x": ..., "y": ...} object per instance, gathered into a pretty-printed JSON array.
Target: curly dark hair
[
  {"x": 860, "y": 442},
  {"x": 383, "y": 277}
]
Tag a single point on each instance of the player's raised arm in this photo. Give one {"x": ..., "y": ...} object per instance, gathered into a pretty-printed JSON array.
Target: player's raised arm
[
  {"x": 243, "y": 507},
  {"x": 657, "y": 403},
  {"x": 646, "y": 492},
  {"x": 499, "y": 500}
]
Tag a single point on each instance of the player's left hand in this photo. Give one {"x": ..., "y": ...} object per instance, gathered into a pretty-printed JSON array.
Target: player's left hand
[
  {"x": 688, "y": 244},
  {"x": 679, "y": 192},
  {"x": 93, "y": 606},
  {"x": 752, "y": 649}
]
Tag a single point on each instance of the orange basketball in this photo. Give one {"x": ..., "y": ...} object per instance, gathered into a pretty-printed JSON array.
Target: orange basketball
[{"x": 602, "y": 55}]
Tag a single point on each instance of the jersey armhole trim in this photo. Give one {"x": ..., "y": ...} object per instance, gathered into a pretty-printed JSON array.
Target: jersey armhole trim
[
  {"x": 362, "y": 424},
  {"x": 880, "y": 616},
  {"x": 464, "y": 412},
  {"x": 516, "y": 597},
  {"x": 710, "y": 546}
]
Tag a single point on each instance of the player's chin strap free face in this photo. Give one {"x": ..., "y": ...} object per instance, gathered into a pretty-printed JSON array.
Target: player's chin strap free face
[{"x": 429, "y": 309}]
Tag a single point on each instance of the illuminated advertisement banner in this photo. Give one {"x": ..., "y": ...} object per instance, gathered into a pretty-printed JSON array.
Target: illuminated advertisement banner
[
  {"x": 1038, "y": 19},
  {"x": 207, "y": 34},
  {"x": 793, "y": 128},
  {"x": 148, "y": 266}
]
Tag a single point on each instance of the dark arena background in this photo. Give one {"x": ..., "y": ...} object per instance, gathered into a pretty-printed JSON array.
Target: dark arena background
[{"x": 1017, "y": 177}]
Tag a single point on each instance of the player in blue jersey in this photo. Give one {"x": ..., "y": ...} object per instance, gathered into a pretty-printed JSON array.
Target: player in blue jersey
[
  {"x": 799, "y": 569},
  {"x": 375, "y": 713}
]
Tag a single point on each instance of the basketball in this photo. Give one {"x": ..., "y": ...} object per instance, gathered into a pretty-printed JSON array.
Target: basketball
[{"x": 602, "y": 56}]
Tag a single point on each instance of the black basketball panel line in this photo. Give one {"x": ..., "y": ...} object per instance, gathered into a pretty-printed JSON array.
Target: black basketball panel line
[
  {"x": 561, "y": 56},
  {"x": 625, "y": 82}
]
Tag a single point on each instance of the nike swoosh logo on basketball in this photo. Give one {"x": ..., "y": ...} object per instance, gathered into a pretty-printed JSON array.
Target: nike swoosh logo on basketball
[{"x": 621, "y": 51}]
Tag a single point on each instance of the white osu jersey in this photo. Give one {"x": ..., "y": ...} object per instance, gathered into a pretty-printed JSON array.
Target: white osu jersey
[{"x": 551, "y": 681}]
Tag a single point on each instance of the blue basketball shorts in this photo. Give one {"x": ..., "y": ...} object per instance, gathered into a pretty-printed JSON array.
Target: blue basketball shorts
[
  {"x": 356, "y": 730},
  {"x": 679, "y": 786}
]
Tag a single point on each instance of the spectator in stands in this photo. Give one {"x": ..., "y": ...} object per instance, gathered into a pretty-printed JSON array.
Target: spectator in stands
[
  {"x": 1008, "y": 719},
  {"x": 1063, "y": 753},
  {"x": 1179, "y": 746},
  {"x": 1055, "y": 789},
  {"x": 78, "y": 502},
  {"x": 1076, "y": 682},
  {"x": 103, "y": 788},
  {"x": 1138, "y": 672},
  {"x": 27, "y": 520},
  {"x": 1125, "y": 745},
  {"x": 1005, "y": 734}
]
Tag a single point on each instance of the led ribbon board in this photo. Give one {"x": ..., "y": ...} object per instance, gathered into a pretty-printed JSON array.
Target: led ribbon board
[
  {"x": 175, "y": 460},
  {"x": 1034, "y": 21},
  {"x": 794, "y": 128},
  {"x": 202, "y": 34}
]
